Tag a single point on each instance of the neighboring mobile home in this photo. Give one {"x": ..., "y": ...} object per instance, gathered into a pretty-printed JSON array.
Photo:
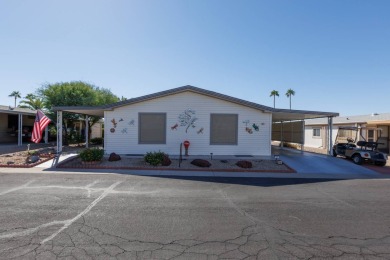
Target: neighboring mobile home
[
  {"x": 16, "y": 124},
  {"x": 211, "y": 122},
  {"x": 315, "y": 130}
]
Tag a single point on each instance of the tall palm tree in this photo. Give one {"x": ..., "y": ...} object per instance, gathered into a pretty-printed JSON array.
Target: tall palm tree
[
  {"x": 32, "y": 102},
  {"x": 274, "y": 93},
  {"x": 16, "y": 95},
  {"x": 290, "y": 93}
]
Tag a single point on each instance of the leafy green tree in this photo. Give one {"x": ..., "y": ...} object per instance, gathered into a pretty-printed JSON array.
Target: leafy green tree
[
  {"x": 75, "y": 93},
  {"x": 32, "y": 101},
  {"x": 290, "y": 93},
  {"x": 16, "y": 95},
  {"x": 274, "y": 93}
]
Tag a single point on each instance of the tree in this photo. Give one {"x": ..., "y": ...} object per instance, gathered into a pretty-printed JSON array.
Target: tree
[
  {"x": 74, "y": 93},
  {"x": 16, "y": 95},
  {"x": 32, "y": 102},
  {"x": 290, "y": 93},
  {"x": 274, "y": 93}
]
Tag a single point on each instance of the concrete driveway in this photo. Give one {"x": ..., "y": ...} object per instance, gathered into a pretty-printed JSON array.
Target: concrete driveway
[{"x": 312, "y": 164}]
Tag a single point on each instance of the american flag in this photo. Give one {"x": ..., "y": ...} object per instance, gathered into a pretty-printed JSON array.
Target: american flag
[{"x": 41, "y": 121}]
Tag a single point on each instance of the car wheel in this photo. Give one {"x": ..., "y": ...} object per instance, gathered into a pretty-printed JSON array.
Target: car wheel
[
  {"x": 334, "y": 153},
  {"x": 357, "y": 159},
  {"x": 380, "y": 163}
]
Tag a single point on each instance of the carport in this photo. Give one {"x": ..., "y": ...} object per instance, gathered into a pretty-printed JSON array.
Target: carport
[
  {"x": 16, "y": 123},
  {"x": 289, "y": 125}
]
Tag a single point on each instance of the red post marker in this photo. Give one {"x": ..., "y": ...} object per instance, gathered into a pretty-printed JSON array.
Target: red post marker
[{"x": 186, "y": 145}]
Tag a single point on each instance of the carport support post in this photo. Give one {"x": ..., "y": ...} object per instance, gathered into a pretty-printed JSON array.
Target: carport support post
[
  {"x": 330, "y": 138},
  {"x": 281, "y": 134},
  {"x": 303, "y": 136},
  {"x": 86, "y": 131},
  {"x": 46, "y": 134},
  {"x": 20, "y": 130},
  {"x": 59, "y": 132}
]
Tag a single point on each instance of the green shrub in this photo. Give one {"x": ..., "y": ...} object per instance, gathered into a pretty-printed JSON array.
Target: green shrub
[
  {"x": 97, "y": 140},
  {"x": 32, "y": 152},
  {"x": 76, "y": 138},
  {"x": 154, "y": 158},
  {"x": 93, "y": 154}
]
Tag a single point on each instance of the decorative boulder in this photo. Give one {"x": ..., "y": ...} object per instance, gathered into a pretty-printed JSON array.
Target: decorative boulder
[
  {"x": 166, "y": 161},
  {"x": 201, "y": 163},
  {"x": 33, "y": 159},
  {"x": 114, "y": 157},
  {"x": 244, "y": 164}
]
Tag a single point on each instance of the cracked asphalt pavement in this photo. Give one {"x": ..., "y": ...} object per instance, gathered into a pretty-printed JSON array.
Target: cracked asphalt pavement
[{"x": 88, "y": 216}]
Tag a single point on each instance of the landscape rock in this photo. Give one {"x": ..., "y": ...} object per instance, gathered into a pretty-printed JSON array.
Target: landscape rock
[
  {"x": 201, "y": 163},
  {"x": 32, "y": 159},
  {"x": 166, "y": 161},
  {"x": 244, "y": 164},
  {"x": 114, "y": 157}
]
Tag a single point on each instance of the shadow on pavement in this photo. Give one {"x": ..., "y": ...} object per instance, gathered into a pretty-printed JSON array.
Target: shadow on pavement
[{"x": 261, "y": 182}]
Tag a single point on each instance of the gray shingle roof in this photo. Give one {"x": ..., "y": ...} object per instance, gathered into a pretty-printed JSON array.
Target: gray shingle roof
[
  {"x": 278, "y": 114},
  {"x": 192, "y": 89}
]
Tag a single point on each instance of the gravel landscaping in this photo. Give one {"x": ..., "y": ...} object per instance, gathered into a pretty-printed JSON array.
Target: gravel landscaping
[{"x": 216, "y": 165}]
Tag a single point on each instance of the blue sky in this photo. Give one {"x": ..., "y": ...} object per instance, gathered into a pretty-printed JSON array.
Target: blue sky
[{"x": 334, "y": 54}]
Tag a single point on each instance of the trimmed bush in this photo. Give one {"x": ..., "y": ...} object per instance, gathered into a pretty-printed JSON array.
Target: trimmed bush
[
  {"x": 91, "y": 154},
  {"x": 155, "y": 158},
  {"x": 97, "y": 140}
]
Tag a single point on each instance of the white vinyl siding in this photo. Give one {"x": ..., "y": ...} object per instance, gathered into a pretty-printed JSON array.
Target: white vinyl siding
[{"x": 124, "y": 139}]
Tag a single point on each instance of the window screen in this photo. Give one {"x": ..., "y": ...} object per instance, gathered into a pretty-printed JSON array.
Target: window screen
[
  {"x": 152, "y": 128},
  {"x": 223, "y": 129}
]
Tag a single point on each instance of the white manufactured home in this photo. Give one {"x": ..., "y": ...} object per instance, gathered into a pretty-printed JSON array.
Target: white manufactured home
[{"x": 210, "y": 121}]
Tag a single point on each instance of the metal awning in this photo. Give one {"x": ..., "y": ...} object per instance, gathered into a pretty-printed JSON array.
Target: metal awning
[
  {"x": 278, "y": 115},
  {"x": 90, "y": 111},
  {"x": 281, "y": 115}
]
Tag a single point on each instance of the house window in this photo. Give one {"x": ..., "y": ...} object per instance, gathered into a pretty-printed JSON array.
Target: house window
[
  {"x": 223, "y": 129},
  {"x": 152, "y": 128},
  {"x": 316, "y": 132}
]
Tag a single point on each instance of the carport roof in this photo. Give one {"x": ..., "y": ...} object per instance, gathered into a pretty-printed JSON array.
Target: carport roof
[
  {"x": 17, "y": 110},
  {"x": 278, "y": 115}
]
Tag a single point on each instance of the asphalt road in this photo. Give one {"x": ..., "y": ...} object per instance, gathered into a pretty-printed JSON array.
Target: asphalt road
[{"x": 88, "y": 216}]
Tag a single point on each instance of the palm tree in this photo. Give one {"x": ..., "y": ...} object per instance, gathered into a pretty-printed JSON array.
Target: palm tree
[
  {"x": 16, "y": 95},
  {"x": 274, "y": 93},
  {"x": 32, "y": 102},
  {"x": 290, "y": 93}
]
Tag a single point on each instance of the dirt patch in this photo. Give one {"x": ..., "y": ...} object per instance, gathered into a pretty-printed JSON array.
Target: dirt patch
[{"x": 216, "y": 165}]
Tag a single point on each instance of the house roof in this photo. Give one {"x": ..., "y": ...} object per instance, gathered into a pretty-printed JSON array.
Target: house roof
[
  {"x": 359, "y": 119},
  {"x": 277, "y": 114},
  {"x": 16, "y": 110}
]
